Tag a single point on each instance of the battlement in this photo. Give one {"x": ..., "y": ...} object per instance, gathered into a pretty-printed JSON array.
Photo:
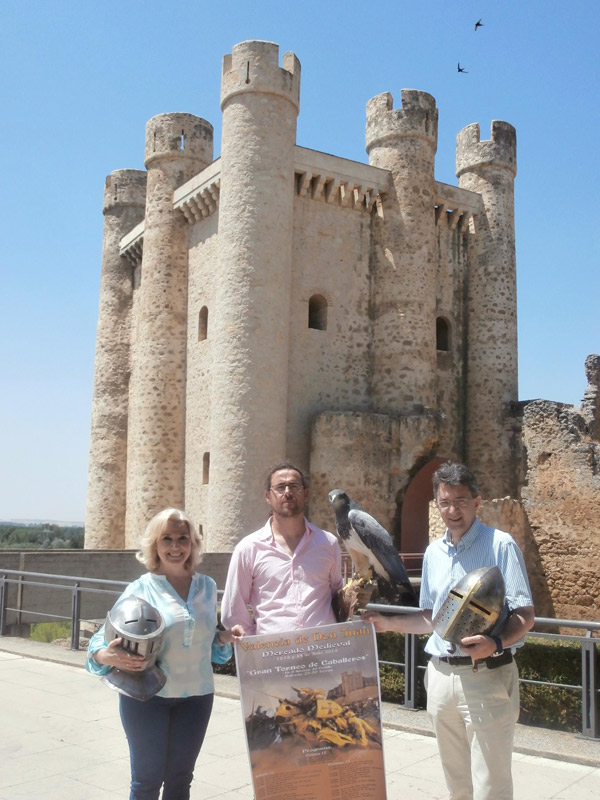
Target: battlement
[
  {"x": 179, "y": 135},
  {"x": 416, "y": 119},
  {"x": 124, "y": 188},
  {"x": 500, "y": 150},
  {"x": 253, "y": 66}
]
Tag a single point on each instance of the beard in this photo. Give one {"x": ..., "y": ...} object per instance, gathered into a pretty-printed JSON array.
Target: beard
[{"x": 289, "y": 508}]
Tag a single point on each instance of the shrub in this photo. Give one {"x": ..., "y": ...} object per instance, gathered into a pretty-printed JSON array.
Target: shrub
[{"x": 49, "y": 631}]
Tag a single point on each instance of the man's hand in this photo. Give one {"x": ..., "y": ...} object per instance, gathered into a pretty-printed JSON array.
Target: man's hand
[
  {"x": 478, "y": 647},
  {"x": 380, "y": 622},
  {"x": 232, "y": 635}
]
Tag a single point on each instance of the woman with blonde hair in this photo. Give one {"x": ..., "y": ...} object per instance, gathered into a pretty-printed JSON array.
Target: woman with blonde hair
[{"x": 165, "y": 733}]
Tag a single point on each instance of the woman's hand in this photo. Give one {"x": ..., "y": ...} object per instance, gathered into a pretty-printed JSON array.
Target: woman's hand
[
  {"x": 115, "y": 656},
  {"x": 231, "y": 635}
]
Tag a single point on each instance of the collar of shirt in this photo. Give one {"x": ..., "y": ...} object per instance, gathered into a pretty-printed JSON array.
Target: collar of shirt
[
  {"x": 267, "y": 532},
  {"x": 466, "y": 540}
]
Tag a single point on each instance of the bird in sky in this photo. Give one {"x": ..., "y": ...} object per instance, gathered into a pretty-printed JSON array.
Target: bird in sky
[
  {"x": 478, "y": 24},
  {"x": 371, "y": 548},
  {"x": 460, "y": 69}
]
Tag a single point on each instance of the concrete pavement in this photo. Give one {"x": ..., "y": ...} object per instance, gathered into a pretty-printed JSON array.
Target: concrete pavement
[{"x": 61, "y": 737}]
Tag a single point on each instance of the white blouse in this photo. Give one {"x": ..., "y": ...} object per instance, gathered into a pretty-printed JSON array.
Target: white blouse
[{"x": 190, "y": 638}]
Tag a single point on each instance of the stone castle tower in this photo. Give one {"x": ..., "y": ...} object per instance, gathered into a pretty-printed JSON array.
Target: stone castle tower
[{"x": 359, "y": 319}]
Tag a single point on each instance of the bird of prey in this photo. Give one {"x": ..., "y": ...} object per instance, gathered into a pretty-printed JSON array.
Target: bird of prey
[
  {"x": 460, "y": 69},
  {"x": 478, "y": 24},
  {"x": 371, "y": 548}
]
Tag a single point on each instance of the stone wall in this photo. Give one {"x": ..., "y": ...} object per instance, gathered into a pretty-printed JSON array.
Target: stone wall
[
  {"x": 509, "y": 515},
  {"x": 556, "y": 522},
  {"x": 561, "y": 499},
  {"x": 113, "y": 565}
]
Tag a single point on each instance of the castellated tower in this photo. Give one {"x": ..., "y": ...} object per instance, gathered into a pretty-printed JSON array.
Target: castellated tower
[
  {"x": 177, "y": 147},
  {"x": 124, "y": 201},
  {"x": 358, "y": 318},
  {"x": 489, "y": 169},
  {"x": 404, "y": 141},
  {"x": 250, "y": 347}
]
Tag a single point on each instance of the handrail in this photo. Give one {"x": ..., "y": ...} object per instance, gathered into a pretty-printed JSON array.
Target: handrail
[
  {"x": 589, "y": 646},
  {"x": 590, "y": 723}
]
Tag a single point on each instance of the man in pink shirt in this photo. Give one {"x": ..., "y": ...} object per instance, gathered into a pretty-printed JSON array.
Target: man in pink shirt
[{"x": 289, "y": 570}]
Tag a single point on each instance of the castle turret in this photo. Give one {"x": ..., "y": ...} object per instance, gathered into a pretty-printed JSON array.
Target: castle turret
[
  {"x": 250, "y": 339},
  {"x": 489, "y": 168},
  {"x": 124, "y": 200},
  {"x": 178, "y": 146},
  {"x": 404, "y": 141}
]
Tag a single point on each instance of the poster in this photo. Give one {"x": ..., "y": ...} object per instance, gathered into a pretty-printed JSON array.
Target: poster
[{"x": 312, "y": 713}]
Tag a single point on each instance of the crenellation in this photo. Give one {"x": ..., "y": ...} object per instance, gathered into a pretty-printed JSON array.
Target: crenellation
[
  {"x": 253, "y": 66},
  {"x": 178, "y": 136},
  {"x": 500, "y": 150},
  {"x": 417, "y": 118}
]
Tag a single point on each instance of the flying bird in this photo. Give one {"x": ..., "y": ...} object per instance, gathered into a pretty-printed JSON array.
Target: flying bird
[
  {"x": 371, "y": 548},
  {"x": 478, "y": 24},
  {"x": 460, "y": 69}
]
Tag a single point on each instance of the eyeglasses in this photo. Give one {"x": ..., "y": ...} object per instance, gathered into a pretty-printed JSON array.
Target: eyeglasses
[
  {"x": 295, "y": 488},
  {"x": 461, "y": 502}
]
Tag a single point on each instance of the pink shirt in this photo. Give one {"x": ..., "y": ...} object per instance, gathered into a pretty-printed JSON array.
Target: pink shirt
[{"x": 285, "y": 591}]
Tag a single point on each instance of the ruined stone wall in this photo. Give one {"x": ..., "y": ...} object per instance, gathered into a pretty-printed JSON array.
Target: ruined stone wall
[{"x": 561, "y": 498}]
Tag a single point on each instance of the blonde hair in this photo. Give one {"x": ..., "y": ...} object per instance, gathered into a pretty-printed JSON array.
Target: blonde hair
[{"x": 148, "y": 553}]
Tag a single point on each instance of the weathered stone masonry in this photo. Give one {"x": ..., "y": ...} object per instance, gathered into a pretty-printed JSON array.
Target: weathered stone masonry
[{"x": 283, "y": 302}]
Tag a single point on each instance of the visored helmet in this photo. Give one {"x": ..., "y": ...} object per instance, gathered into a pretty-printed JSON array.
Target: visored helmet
[
  {"x": 141, "y": 628},
  {"x": 474, "y": 606}
]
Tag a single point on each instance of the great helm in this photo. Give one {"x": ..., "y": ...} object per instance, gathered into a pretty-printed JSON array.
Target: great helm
[
  {"x": 141, "y": 628},
  {"x": 474, "y": 606}
]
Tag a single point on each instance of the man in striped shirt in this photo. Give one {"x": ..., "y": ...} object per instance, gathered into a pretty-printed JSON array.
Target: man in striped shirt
[{"x": 473, "y": 712}]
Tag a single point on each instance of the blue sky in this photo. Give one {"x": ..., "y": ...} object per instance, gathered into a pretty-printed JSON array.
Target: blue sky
[{"x": 80, "y": 79}]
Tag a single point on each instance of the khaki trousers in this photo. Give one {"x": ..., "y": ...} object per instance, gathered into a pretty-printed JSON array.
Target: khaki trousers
[{"x": 474, "y": 716}]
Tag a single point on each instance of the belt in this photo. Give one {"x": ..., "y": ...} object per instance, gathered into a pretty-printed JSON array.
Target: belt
[{"x": 492, "y": 662}]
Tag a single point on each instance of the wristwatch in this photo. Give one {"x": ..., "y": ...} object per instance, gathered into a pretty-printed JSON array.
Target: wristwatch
[{"x": 499, "y": 648}]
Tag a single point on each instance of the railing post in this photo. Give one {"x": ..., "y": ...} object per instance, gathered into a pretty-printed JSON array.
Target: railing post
[
  {"x": 75, "y": 615},
  {"x": 410, "y": 671},
  {"x": 2, "y": 604},
  {"x": 589, "y": 689}
]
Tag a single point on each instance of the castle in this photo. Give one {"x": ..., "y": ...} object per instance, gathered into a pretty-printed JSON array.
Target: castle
[{"x": 282, "y": 302}]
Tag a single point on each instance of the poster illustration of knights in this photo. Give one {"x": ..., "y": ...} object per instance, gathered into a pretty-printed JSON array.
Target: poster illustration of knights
[{"x": 312, "y": 713}]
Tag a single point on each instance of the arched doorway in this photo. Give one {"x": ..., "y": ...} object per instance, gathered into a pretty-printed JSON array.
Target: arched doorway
[{"x": 415, "y": 509}]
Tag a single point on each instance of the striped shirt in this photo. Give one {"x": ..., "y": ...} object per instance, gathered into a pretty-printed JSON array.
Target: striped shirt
[
  {"x": 444, "y": 565},
  {"x": 285, "y": 592}
]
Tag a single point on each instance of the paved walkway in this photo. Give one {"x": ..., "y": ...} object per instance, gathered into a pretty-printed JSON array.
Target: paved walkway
[{"x": 61, "y": 738}]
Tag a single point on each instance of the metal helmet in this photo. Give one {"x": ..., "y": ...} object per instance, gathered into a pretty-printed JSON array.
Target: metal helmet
[
  {"x": 141, "y": 628},
  {"x": 474, "y": 606}
]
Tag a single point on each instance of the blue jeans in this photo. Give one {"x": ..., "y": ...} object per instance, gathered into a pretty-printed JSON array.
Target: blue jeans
[{"x": 165, "y": 735}]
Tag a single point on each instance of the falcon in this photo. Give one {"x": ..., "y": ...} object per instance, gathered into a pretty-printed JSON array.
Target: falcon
[{"x": 371, "y": 548}]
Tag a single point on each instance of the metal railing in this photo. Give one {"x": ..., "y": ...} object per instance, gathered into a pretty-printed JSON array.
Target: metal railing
[
  {"x": 74, "y": 586},
  {"x": 77, "y": 586},
  {"x": 590, "y": 692}
]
